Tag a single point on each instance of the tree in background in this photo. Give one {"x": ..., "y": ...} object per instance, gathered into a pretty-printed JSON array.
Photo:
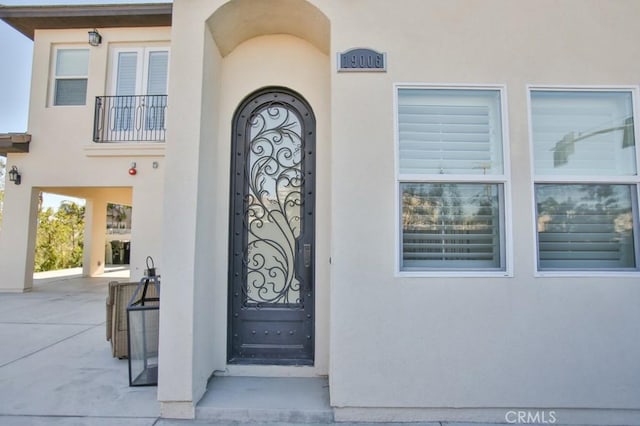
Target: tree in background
[{"x": 60, "y": 237}]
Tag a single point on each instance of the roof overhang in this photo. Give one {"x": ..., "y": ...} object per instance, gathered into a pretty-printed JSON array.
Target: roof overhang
[
  {"x": 14, "y": 142},
  {"x": 27, "y": 19}
]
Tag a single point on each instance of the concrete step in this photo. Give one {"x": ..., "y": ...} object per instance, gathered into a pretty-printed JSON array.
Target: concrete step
[{"x": 266, "y": 399}]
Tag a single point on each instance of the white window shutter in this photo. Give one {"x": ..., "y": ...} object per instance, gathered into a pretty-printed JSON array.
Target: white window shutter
[
  {"x": 157, "y": 73},
  {"x": 126, "y": 77},
  {"x": 449, "y": 132}
]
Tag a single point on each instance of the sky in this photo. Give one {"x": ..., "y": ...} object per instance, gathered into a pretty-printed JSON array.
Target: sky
[{"x": 16, "y": 53}]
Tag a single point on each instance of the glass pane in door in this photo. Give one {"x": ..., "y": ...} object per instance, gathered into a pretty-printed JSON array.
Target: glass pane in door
[
  {"x": 125, "y": 103},
  {"x": 156, "y": 100},
  {"x": 274, "y": 200}
]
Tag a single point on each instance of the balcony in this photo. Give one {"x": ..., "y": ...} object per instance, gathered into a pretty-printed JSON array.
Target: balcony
[{"x": 130, "y": 119}]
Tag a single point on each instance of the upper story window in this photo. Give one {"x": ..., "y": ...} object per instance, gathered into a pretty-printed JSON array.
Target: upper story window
[
  {"x": 135, "y": 110},
  {"x": 140, "y": 71},
  {"x": 70, "y": 76},
  {"x": 586, "y": 180},
  {"x": 451, "y": 180}
]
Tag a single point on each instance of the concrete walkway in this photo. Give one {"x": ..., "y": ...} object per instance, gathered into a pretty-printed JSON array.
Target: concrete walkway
[
  {"x": 56, "y": 369},
  {"x": 55, "y": 364}
]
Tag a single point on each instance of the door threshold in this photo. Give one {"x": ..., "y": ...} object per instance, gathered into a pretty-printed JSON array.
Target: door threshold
[
  {"x": 262, "y": 399},
  {"x": 240, "y": 370}
]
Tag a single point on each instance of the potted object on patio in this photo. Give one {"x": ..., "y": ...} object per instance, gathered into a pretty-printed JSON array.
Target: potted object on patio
[{"x": 143, "y": 330}]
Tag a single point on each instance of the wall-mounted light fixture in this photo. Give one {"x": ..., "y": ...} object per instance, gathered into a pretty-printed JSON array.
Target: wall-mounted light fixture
[
  {"x": 15, "y": 176},
  {"x": 95, "y": 39}
]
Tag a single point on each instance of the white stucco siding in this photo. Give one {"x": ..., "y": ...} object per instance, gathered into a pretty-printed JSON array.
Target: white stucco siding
[
  {"x": 514, "y": 341},
  {"x": 471, "y": 342},
  {"x": 208, "y": 234},
  {"x": 177, "y": 374},
  {"x": 64, "y": 159}
]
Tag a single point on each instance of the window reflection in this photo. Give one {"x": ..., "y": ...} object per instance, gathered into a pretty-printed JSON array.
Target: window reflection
[
  {"x": 585, "y": 226},
  {"x": 451, "y": 225},
  {"x": 583, "y": 133}
]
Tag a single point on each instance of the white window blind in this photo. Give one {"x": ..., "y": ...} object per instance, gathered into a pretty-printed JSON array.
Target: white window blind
[
  {"x": 125, "y": 104},
  {"x": 157, "y": 73},
  {"x": 157, "y": 85},
  {"x": 71, "y": 70},
  {"x": 450, "y": 132},
  {"x": 127, "y": 74},
  {"x": 70, "y": 91},
  {"x": 72, "y": 62},
  {"x": 451, "y": 225}
]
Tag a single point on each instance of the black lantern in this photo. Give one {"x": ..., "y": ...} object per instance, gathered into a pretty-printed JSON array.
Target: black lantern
[
  {"x": 95, "y": 39},
  {"x": 143, "y": 330},
  {"x": 15, "y": 176}
]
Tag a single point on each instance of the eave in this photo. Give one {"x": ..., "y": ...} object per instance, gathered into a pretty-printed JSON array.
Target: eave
[
  {"x": 14, "y": 142},
  {"x": 27, "y": 19}
]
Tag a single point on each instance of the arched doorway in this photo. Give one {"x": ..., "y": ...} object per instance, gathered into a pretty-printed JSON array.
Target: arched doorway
[{"x": 272, "y": 222}]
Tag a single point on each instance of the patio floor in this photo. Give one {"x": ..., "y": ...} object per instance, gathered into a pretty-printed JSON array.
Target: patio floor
[
  {"x": 55, "y": 363},
  {"x": 56, "y": 369}
]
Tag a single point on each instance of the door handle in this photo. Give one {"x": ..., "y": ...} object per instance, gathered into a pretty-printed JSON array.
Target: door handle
[{"x": 307, "y": 255}]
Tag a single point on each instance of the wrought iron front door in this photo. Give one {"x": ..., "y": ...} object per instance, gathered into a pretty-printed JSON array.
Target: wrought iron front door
[{"x": 271, "y": 288}]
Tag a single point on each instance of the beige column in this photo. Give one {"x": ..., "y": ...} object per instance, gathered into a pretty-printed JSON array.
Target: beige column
[
  {"x": 18, "y": 237},
  {"x": 95, "y": 228}
]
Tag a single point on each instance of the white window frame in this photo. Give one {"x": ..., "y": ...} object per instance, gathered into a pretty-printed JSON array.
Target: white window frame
[
  {"x": 54, "y": 78},
  {"x": 142, "y": 65},
  {"x": 633, "y": 180},
  {"x": 504, "y": 180}
]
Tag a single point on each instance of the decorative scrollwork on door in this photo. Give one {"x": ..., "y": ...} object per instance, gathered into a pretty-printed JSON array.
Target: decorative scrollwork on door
[
  {"x": 272, "y": 230},
  {"x": 273, "y": 205}
]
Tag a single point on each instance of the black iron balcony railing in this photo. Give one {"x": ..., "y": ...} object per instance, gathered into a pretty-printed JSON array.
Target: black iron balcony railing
[{"x": 130, "y": 118}]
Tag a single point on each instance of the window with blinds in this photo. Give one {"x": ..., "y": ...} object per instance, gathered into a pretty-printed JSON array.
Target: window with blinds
[
  {"x": 140, "y": 85},
  {"x": 70, "y": 77},
  {"x": 451, "y": 179},
  {"x": 157, "y": 69},
  {"x": 125, "y": 104},
  {"x": 140, "y": 71},
  {"x": 586, "y": 180},
  {"x": 127, "y": 74},
  {"x": 156, "y": 87}
]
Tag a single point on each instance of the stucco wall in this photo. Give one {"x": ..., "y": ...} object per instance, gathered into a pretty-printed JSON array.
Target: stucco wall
[
  {"x": 471, "y": 342},
  {"x": 179, "y": 382},
  {"x": 437, "y": 343}
]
